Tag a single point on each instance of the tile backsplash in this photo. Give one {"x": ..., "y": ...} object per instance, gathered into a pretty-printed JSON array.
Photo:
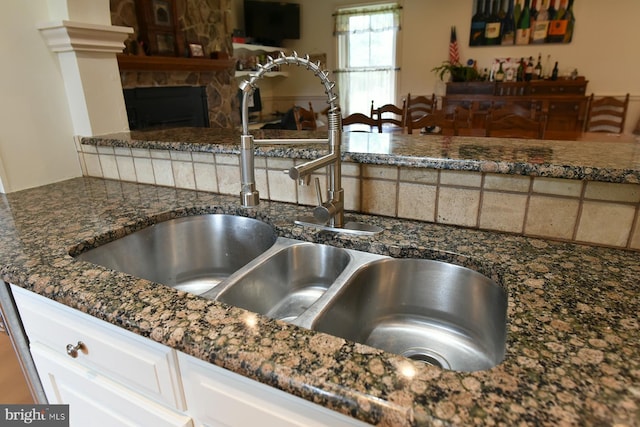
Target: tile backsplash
[{"x": 597, "y": 213}]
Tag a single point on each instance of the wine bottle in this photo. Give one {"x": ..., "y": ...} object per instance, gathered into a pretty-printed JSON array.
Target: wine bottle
[
  {"x": 546, "y": 70},
  {"x": 571, "y": 22},
  {"x": 499, "y": 76},
  {"x": 509, "y": 26},
  {"x": 537, "y": 70},
  {"x": 558, "y": 27},
  {"x": 552, "y": 10},
  {"x": 476, "y": 37},
  {"x": 524, "y": 25},
  {"x": 492, "y": 28},
  {"x": 528, "y": 71},
  {"x": 517, "y": 11},
  {"x": 541, "y": 25},
  {"x": 520, "y": 71},
  {"x": 554, "y": 73}
]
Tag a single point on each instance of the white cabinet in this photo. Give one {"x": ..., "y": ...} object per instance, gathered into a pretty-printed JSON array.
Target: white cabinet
[
  {"x": 119, "y": 378},
  {"x": 116, "y": 377},
  {"x": 244, "y": 51},
  {"x": 217, "y": 397}
]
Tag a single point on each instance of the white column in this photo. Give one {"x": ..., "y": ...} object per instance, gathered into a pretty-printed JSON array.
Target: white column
[{"x": 87, "y": 56}]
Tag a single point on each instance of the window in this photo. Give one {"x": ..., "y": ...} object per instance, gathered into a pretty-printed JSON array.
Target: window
[{"x": 367, "y": 44}]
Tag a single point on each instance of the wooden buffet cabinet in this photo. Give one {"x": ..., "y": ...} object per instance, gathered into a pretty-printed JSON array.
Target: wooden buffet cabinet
[{"x": 563, "y": 101}]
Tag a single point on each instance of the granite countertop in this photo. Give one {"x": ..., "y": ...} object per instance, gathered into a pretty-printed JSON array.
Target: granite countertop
[
  {"x": 607, "y": 160},
  {"x": 573, "y": 344}
]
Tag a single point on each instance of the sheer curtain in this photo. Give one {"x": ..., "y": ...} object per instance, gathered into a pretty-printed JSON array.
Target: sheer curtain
[{"x": 366, "y": 39}]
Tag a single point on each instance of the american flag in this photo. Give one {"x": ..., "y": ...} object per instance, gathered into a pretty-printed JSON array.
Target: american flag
[{"x": 454, "y": 53}]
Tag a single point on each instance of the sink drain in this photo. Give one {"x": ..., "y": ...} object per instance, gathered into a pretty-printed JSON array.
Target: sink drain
[{"x": 426, "y": 356}]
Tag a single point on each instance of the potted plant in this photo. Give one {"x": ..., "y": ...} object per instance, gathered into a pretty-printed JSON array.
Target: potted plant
[{"x": 457, "y": 72}]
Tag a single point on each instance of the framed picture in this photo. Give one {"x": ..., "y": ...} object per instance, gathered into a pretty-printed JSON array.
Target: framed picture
[
  {"x": 196, "y": 50},
  {"x": 158, "y": 28}
]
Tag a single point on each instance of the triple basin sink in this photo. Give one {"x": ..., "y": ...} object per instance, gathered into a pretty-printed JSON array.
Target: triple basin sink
[{"x": 438, "y": 313}]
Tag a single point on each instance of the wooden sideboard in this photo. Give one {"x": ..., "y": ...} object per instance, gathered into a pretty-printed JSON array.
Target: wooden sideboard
[{"x": 563, "y": 101}]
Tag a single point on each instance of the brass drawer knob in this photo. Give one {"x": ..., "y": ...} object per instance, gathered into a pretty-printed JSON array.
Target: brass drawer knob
[{"x": 72, "y": 350}]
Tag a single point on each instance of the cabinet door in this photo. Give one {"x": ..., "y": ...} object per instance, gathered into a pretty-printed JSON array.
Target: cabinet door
[
  {"x": 217, "y": 397},
  {"x": 94, "y": 400},
  {"x": 145, "y": 366}
]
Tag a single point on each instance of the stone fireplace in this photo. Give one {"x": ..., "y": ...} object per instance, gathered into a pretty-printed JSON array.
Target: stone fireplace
[{"x": 204, "y": 22}]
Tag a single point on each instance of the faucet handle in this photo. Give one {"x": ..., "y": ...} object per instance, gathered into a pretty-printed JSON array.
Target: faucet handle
[{"x": 318, "y": 191}]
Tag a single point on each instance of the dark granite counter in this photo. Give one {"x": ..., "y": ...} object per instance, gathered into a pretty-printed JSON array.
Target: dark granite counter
[
  {"x": 573, "y": 344},
  {"x": 591, "y": 160}
]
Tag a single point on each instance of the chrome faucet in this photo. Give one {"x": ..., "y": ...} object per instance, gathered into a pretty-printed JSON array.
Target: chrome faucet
[{"x": 330, "y": 212}]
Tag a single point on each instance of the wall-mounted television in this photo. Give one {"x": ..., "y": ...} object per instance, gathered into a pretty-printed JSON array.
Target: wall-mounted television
[{"x": 270, "y": 22}]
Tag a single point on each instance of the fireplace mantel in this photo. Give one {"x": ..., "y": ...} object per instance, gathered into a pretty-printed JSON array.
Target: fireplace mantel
[{"x": 172, "y": 63}]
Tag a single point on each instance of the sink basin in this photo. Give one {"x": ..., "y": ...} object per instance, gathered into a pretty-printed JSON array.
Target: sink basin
[
  {"x": 438, "y": 313},
  {"x": 285, "y": 284},
  {"x": 192, "y": 253}
]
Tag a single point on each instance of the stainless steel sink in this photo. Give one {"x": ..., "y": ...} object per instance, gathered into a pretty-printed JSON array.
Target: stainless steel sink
[
  {"x": 192, "y": 253},
  {"x": 435, "y": 312},
  {"x": 431, "y": 311},
  {"x": 287, "y": 283}
]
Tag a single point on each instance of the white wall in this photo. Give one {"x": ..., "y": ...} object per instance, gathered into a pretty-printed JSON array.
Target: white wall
[
  {"x": 604, "y": 47},
  {"x": 36, "y": 135}
]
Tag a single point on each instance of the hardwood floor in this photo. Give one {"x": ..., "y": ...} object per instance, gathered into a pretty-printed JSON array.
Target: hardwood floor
[{"x": 13, "y": 386}]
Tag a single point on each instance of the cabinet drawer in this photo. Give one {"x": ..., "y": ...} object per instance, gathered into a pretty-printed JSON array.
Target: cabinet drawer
[
  {"x": 95, "y": 400},
  {"x": 147, "y": 367}
]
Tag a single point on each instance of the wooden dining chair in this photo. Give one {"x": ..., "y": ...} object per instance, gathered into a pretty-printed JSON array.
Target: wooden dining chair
[
  {"x": 515, "y": 125},
  {"x": 357, "y": 122},
  {"x": 432, "y": 123},
  {"x": 606, "y": 114},
  {"x": 389, "y": 116},
  {"x": 305, "y": 119},
  {"x": 418, "y": 106},
  {"x": 469, "y": 121}
]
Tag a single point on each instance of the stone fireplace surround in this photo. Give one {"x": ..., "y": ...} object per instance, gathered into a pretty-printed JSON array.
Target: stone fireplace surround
[{"x": 205, "y": 22}]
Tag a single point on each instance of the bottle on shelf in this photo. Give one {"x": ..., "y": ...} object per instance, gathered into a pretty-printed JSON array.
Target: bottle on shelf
[
  {"x": 533, "y": 16},
  {"x": 571, "y": 22},
  {"x": 546, "y": 70},
  {"x": 537, "y": 70},
  {"x": 499, "y": 76},
  {"x": 520, "y": 71},
  {"x": 552, "y": 10},
  {"x": 554, "y": 73},
  {"x": 478, "y": 23},
  {"x": 523, "y": 29},
  {"x": 509, "y": 26},
  {"x": 517, "y": 10},
  {"x": 528, "y": 71},
  {"x": 492, "y": 30},
  {"x": 541, "y": 24}
]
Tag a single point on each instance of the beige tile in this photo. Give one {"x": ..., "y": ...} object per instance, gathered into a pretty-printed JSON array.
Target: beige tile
[
  {"x": 140, "y": 152},
  {"x": 228, "y": 178},
  {"x": 83, "y": 164},
  {"x": 163, "y": 172},
  {"x": 380, "y": 172},
  {"x": 351, "y": 169},
  {"x": 160, "y": 154},
  {"x": 417, "y": 201},
  {"x": 635, "y": 239},
  {"x": 126, "y": 168},
  {"x": 281, "y": 165},
  {"x": 205, "y": 176},
  {"x": 551, "y": 217},
  {"x": 184, "y": 156},
  {"x": 109, "y": 166},
  {"x": 122, "y": 151},
  {"x": 379, "y": 197},
  {"x": 203, "y": 157},
  {"x": 557, "y": 186},
  {"x": 281, "y": 187},
  {"x": 503, "y": 211},
  {"x": 458, "y": 206},
  {"x": 183, "y": 174},
  {"x": 105, "y": 150},
  {"x": 259, "y": 162},
  {"x": 351, "y": 193},
  {"x": 307, "y": 193},
  {"x": 262, "y": 184},
  {"x": 613, "y": 192},
  {"x": 503, "y": 182},
  {"x": 227, "y": 159},
  {"x": 419, "y": 175},
  {"x": 89, "y": 149},
  {"x": 144, "y": 170},
  {"x": 92, "y": 162},
  {"x": 605, "y": 223},
  {"x": 460, "y": 178}
]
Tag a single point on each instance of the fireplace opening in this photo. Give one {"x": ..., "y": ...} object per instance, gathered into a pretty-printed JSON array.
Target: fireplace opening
[{"x": 166, "y": 107}]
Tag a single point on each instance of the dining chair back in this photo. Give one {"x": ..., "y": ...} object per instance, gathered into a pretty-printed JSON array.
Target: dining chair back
[
  {"x": 607, "y": 114},
  {"x": 305, "y": 119},
  {"x": 418, "y": 106},
  {"x": 389, "y": 116},
  {"x": 516, "y": 126},
  {"x": 433, "y": 123},
  {"x": 358, "y": 122}
]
